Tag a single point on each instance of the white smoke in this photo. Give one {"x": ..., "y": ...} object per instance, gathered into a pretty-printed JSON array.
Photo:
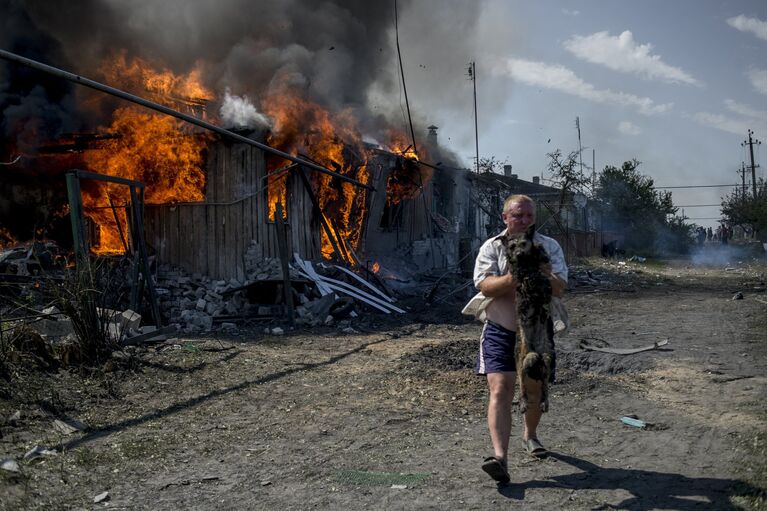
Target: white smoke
[{"x": 239, "y": 112}]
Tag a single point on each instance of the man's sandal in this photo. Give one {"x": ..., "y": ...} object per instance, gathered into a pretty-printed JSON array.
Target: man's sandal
[
  {"x": 496, "y": 468},
  {"x": 534, "y": 447}
]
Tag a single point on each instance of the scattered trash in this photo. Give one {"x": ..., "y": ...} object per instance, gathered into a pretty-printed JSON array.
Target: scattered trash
[
  {"x": 38, "y": 452},
  {"x": 265, "y": 483},
  {"x": 399, "y": 487},
  {"x": 737, "y": 296},
  {"x": 623, "y": 351},
  {"x": 278, "y": 331},
  {"x": 10, "y": 465},
  {"x": 101, "y": 497},
  {"x": 634, "y": 422},
  {"x": 68, "y": 427},
  {"x": 638, "y": 259},
  {"x": 15, "y": 418}
]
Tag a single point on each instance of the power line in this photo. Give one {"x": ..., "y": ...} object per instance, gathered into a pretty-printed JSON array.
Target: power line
[
  {"x": 402, "y": 73},
  {"x": 698, "y": 205},
  {"x": 694, "y": 186}
]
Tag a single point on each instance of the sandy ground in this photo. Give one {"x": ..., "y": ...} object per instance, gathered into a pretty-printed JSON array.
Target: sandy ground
[{"x": 392, "y": 417}]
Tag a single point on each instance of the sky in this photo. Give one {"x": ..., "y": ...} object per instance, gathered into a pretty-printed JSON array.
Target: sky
[{"x": 674, "y": 84}]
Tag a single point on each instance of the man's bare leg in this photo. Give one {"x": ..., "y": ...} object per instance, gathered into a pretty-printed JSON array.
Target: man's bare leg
[
  {"x": 501, "y": 386},
  {"x": 533, "y": 413}
]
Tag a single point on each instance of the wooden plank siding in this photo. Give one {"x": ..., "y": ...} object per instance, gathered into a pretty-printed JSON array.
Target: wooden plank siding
[{"x": 212, "y": 237}]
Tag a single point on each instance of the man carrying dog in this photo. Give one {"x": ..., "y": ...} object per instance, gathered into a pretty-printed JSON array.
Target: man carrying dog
[{"x": 496, "y": 305}]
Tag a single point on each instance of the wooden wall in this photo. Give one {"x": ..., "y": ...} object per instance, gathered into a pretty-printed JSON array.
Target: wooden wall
[
  {"x": 415, "y": 220},
  {"x": 212, "y": 237}
]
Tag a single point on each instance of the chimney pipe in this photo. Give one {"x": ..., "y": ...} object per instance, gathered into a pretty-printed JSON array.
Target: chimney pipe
[
  {"x": 507, "y": 170},
  {"x": 536, "y": 180}
]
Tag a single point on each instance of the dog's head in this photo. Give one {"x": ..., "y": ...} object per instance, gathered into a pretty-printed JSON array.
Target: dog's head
[{"x": 523, "y": 252}]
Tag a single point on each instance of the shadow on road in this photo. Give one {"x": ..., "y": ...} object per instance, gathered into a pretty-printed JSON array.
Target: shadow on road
[
  {"x": 195, "y": 401},
  {"x": 649, "y": 490}
]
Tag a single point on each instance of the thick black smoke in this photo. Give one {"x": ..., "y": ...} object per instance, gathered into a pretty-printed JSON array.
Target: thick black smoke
[
  {"x": 33, "y": 106},
  {"x": 339, "y": 53}
]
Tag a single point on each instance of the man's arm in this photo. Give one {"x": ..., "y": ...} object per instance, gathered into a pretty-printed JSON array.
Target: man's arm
[
  {"x": 494, "y": 286},
  {"x": 558, "y": 284}
]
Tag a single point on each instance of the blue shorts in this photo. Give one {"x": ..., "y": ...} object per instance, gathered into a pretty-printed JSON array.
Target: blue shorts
[{"x": 496, "y": 349}]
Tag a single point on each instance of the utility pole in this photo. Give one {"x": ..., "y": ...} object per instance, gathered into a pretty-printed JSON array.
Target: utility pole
[
  {"x": 580, "y": 149},
  {"x": 742, "y": 173},
  {"x": 472, "y": 71},
  {"x": 593, "y": 169},
  {"x": 750, "y": 142}
]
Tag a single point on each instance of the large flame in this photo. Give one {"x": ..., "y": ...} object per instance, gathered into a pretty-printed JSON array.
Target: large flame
[
  {"x": 408, "y": 178},
  {"x": 158, "y": 150},
  {"x": 159, "y": 83},
  {"x": 303, "y": 128}
]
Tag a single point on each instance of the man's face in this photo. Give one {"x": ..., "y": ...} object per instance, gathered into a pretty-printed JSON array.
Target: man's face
[{"x": 519, "y": 216}]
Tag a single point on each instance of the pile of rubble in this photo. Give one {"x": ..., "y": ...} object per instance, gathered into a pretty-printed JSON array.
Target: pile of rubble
[
  {"x": 323, "y": 295},
  {"x": 192, "y": 303},
  {"x": 121, "y": 327}
]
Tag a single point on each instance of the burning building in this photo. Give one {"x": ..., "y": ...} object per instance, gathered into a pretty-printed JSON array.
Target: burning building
[
  {"x": 298, "y": 79},
  {"x": 199, "y": 187}
]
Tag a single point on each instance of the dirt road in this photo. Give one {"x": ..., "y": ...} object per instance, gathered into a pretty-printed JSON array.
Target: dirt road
[{"x": 392, "y": 417}]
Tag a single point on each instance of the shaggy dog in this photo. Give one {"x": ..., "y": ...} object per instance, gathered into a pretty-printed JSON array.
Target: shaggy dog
[{"x": 535, "y": 332}]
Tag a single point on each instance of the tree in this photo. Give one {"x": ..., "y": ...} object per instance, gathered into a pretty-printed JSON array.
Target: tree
[
  {"x": 629, "y": 203},
  {"x": 748, "y": 211},
  {"x": 492, "y": 165},
  {"x": 565, "y": 174}
]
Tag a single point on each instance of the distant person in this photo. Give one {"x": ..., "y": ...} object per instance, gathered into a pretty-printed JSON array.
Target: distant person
[
  {"x": 701, "y": 235},
  {"x": 496, "y": 304},
  {"x": 725, "y": 236},
  {"x": 710, "y": 235}
]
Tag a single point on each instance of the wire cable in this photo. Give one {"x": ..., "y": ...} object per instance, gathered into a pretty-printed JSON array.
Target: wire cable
[{"x": 402, "y": 72}]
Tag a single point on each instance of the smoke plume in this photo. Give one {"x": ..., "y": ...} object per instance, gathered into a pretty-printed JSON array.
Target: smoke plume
[{"x": 339, "y": 54}]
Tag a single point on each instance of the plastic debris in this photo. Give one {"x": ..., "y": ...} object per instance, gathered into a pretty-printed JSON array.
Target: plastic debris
[
  {"x": 68, "y": 427},
  {"x": 38, "y": 452},
  {"x": 10, "y": 465},
  {"x": 101, "y": 497},
  {"x": 634, "y": 422}
]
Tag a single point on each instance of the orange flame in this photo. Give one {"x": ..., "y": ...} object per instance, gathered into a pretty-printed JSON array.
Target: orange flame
[
  {"x": 302, "y": 127},
  {"x": 157, "y": 82},
  {"x": 6, "y": 240},
  {"x": 408, "y": 178},
  {"x": 399, "y": 144},
  {"x": 155, "y": 149},
  {"x": 376, "y": 267}
]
